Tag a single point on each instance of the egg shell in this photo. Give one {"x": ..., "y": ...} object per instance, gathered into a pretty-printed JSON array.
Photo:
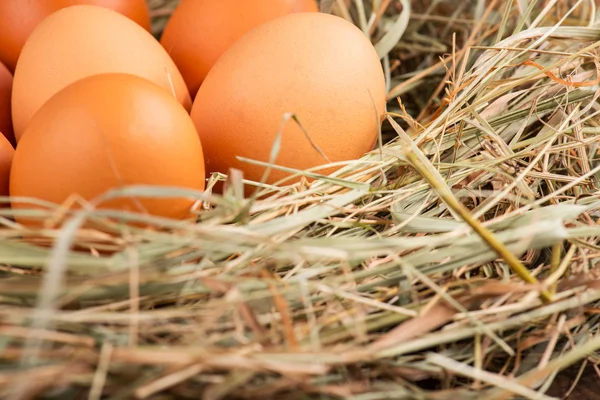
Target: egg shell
[
  {"x": 104, "y": 132},
  {"x": 317, "y": 66},
  {"x": 7, "y": 152},
  {"x": 199, "y": 31},
  {"x": 20, "y": 17},
  {"x": 6, "y": 82},
  {"x": 79, "y": 41}
]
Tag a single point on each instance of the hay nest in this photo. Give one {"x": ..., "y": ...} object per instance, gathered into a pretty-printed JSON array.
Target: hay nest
[{"x": 458, "y": 260}]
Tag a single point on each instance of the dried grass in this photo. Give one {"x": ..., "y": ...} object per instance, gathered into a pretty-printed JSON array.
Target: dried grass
[{"x": 457, "y": 260}]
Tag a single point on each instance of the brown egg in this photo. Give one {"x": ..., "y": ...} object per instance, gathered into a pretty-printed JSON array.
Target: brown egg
[
  {"x": 80, "y": 41},
  {"x": 6, "y": 156},
  {"x": 6, "y": 82},
  {"x": 199, "y": 31},
  {"x": 20, "y": 17},
  {"x": 104, "y": 132},
  {"x": 317, "y": 66}
]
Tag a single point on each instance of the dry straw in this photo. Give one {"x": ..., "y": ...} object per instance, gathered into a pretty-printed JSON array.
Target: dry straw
[{"x": 457, "y": 260}]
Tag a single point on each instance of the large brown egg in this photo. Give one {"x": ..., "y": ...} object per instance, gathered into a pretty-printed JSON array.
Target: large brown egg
[
  {"x": 199, "y": 31},
  {"x": 6, "y": 82},
  {"x": 317, "y": 66},
  {"x": 20, "y": 17},
  {"x": 79, "y": 41},
  {"x": 105, "y": 132}
]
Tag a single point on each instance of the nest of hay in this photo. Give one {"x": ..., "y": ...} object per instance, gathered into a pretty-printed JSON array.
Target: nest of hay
[{"x": 458, "y": 260}]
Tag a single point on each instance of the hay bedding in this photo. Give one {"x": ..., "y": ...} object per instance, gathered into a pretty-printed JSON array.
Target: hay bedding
[{"x": 459, "y": 260}]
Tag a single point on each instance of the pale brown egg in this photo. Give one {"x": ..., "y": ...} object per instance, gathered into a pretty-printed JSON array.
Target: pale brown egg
[
  {"x": 79, "y": 41},
  {"x": 105, "y": 132},
  {"x": 199, "y": 31},
  {"x": 316, "y": 66},
  {"x": 20, "y": 17}
]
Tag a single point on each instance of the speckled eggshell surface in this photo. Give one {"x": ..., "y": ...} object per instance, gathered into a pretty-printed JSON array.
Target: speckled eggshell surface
[{"x": 317, "y": 66}]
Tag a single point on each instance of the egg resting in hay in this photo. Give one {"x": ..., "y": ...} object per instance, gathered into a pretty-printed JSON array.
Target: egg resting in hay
[
  {"x": 317, "y": 66},
  {"x": 200, "y": 31},
  {"x": 105, "y": 132},
  {"x": 80, "y": 41},
  {"x": 20, "y": 17}
]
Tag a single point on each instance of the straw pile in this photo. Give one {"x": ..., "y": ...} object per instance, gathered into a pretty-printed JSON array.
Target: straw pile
[{"x": 458, "y": 260}]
